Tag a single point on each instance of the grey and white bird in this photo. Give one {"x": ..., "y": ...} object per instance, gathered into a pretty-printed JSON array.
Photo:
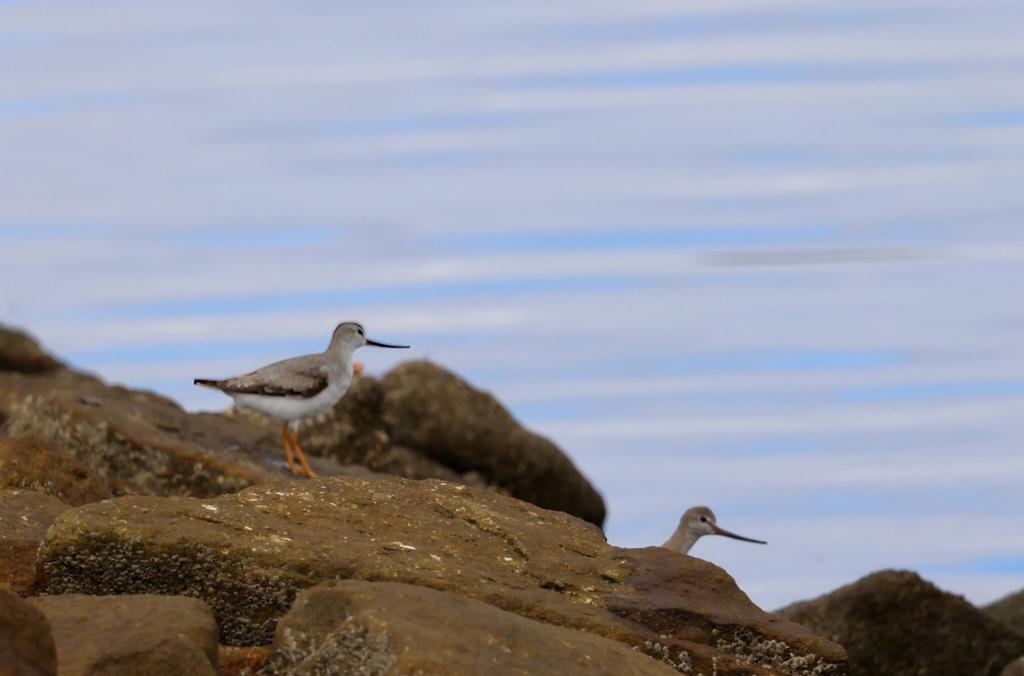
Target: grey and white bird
[
  {"x": 696, "y": 523},
  {"x": 300, "y": 387}
]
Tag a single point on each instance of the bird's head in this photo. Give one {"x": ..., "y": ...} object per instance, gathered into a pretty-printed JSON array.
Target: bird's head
[
  {"x": 352, "y": 335},
  {"x": 698, "y": 521}
]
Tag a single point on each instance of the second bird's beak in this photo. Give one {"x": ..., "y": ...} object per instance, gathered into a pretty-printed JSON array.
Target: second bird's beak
[
  {"x": 376, "y": 344},
  {"x": 722, "y": 531}
]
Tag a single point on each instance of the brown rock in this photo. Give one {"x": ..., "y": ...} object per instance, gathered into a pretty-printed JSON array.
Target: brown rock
[
  {"x": 355, "y": 434},
  {"x": 26, "y": 643},
  {"x": 128, "y": 635},
  {"x": 387, "y": 628},
  {"x": 434, "y": 411},
  {"x": 239, "y": 661},
  {"x": 24, "y": 518},
  {"x": 1008, "y": 610},
  {"x": 894, "y": 623},
  {"x": 19, "y": 352},
  {"x": 1014, "y": 668},
  {"x": 39, "y": 466},
  {"x": 248, "y": 553},
  {"x": 137, "y": 442},
  {"x": 697, "y": 608}
]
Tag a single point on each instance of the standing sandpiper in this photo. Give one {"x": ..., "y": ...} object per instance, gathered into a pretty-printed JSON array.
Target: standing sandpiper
[
  {"x": 299, "y": 387},
  {"x": 696, "y": 522}
]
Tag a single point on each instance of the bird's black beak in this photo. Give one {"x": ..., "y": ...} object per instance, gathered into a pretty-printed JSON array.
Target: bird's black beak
[
  {"x": 376, "y": 344},
  {"x": 722, "y": 531}
]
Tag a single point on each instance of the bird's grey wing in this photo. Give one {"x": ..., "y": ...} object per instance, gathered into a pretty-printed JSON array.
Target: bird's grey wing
[{"x": 297, "y": 377}]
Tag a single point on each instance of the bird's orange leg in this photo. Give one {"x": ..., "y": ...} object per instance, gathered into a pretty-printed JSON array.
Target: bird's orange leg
[
  {"x": 288, "y": 449},
  {"x": 302, "y": 456}
]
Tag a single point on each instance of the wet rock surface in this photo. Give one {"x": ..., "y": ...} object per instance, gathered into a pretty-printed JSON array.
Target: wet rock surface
[
  {"x": 127, "y": 635},
  {"x": 249, "y": 553},
  {"x": 895, "y": 623},
  {"x": 38, "y": 466},
  {"x": 24, "y": 518},
  {"x": 26, "y": 642},
  {"x": 357, "y": 627}
]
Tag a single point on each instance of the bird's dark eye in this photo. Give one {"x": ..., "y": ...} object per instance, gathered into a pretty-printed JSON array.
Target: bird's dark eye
[{"x": 704, "y": 519}]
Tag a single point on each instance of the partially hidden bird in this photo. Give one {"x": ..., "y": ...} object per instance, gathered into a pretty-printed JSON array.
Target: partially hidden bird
[
  {"x": 300, "y": 387},
  {"x": 696, "y": 523}
]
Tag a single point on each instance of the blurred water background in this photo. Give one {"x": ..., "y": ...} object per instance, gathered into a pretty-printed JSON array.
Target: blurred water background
[{"x": 762, "y": 255}]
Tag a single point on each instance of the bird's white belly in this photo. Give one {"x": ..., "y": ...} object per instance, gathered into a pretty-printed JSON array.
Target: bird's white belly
[{"x": 293, "y": 408}]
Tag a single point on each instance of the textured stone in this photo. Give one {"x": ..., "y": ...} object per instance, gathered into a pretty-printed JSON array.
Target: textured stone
[
  {"x": 20, "y": 353},
  {"x": 40, "y": 466},
  {"x": 26, "y": 643},
  {"x": 242, "y": 661},
  {"x": 894, "y": 623},
  {"x": 355, "y": 434},
  {"x": 434, "y": 411},
  {"x": 248, "y": 553},
  {"x": 1014, "y": 668},
  {"x": 144, "y": 444},
  {"x": 1009, "y": 610},
  {"x": 24, "y": 518},
  {"x": 356, "y": 627},
  {"x": 138, "y": 443},
  {"x": 129, "y": 635},
  {"x": 694, "y": 607}
]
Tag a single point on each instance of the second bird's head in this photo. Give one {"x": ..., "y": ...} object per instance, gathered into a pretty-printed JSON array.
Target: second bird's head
[
  {"x": 699, "y": 521},
  {"x": 352, "y": 335}
]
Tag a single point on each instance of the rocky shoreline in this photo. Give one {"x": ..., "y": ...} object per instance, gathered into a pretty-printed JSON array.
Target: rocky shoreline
[{"x": 443, "y": 539}]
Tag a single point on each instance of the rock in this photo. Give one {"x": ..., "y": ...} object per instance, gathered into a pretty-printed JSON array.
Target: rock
[
  {"x": 39, "y": 466},
  {"x": 26, "y": 643},
  {"x": 434, "y": 411},
  {"x": 355, "y": 434},
  {"x": 24, "y": 518},
  {"x": 1014, "y": 668},
  {"x": 695, "y": 607},
  {"x": 137, "y": 442},
  {"x": 1009, "y": 610},
  {"x": 388, "y": 628},
  {"x": 20, "y": 353},
  {"x": 248, "y": 553},
  {"x": 239, "y": 661},
  {"x": 894, "y": 623},
  {"x": 115, "y": 635}
]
